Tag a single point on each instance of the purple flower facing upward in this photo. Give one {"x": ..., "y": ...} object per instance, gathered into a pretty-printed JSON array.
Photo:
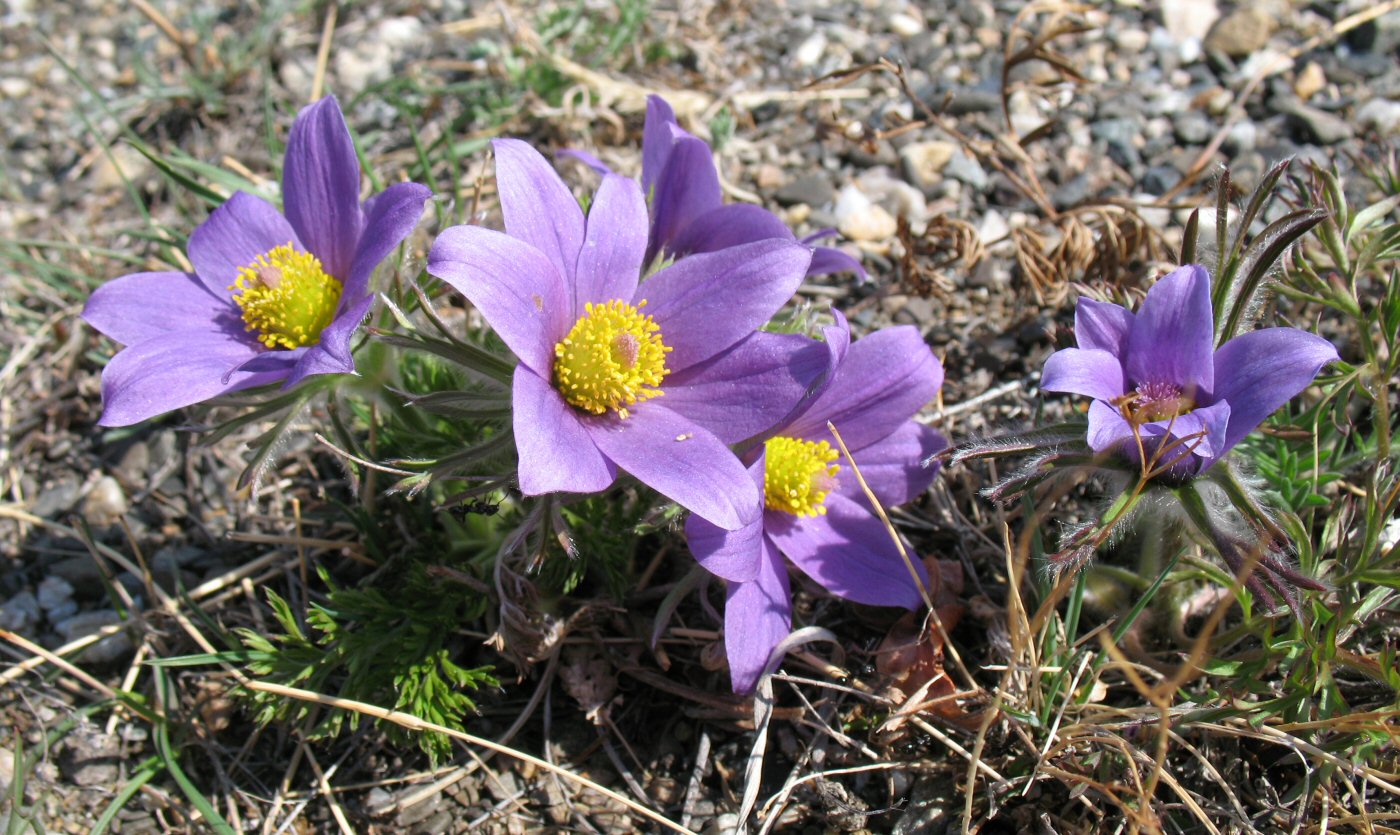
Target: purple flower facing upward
[
  {"x": 652, "y": 378},
  {"x": 1162, "y": 391},
  {"x": 688, "y": 214},
  {"x": 273, "y": 297},
  {"x": 813, "y": 509}
]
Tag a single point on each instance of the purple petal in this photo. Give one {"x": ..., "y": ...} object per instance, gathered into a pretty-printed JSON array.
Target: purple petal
[
  {"x": 733, "y": 555},
  {"x": 681, "y": 461},
  {"x": 657, "y": 139},
  {"x": 726, "y": 226},
  {"x": 706, "y": 303},
  {"x": 885, "y": 379},
  {"x": 1102, "y": 326},
  {"x": 518, "y": 290},
  {"x": 389, "y": 218},
  {"x": 233, "y": 237},
  {"x": 555, "y": 450},
  {"x": 538, "y": 207},
  {"x": 321, "y": 186},
  {"x": 749, "y": 388},
  {"x": 332, "y": 354},
  {"x": 893, "y": 466},
  {"x": 849, "y": 553},
  {"x": 1173, "y": 335},
  {"x": 142, "y": 306},
  {"x": 177, "y": 369},
  {"x": 1107, "y": 428},
  {"x": 586, "y": 158},
  {"x": 757, "y": 617},
  {"x": 827, "y": 260},
  {"x": 1091, "y": 372},
  {"x": 1258, "y": 372},
  {"x": 610, "y": 262},
  {"x": 687, "y": 188}
]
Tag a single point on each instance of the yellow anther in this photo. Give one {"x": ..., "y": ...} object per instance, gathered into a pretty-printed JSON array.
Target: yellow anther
[
  {"x": 798, "y": 474},
  {"x": 612, "y": 358},
  {"x": 286, "y": 297}
]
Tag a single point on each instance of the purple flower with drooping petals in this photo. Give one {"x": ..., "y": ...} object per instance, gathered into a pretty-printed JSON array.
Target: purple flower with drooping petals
[
  {"x": 814, "y": 511},
  {"x": 273, "y": 297},
  {"x": 1158, "y": 380},
  {"x": 653, "y": 378},
  {"x": 688, "y": 213}
]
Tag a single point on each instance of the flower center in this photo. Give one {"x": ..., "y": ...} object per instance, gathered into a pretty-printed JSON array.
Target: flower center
[
  {"x": 1151, "y": 402},
  {"x": 798, "y": 474},
  {"x": 612, "y": 358},
  {"x": 287, "y": 297}
]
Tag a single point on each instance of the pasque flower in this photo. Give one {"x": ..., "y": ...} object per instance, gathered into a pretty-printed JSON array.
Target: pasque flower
[
  {"x": 653, "y": 378},
  {"x": 1163, "y": 391},
  {"x": 688, "y": 213},
  {"x": 274, "y": 297},
  {"x": 813, "y": 509}
]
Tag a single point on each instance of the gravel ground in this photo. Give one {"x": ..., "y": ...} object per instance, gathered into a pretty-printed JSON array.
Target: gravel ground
[{"x": 894, "y": 122}]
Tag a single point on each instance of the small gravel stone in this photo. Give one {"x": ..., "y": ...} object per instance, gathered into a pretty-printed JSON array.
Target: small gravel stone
[
  {"x": 1242, "y": 137},
  {"x": 1310, "y": 81},
  {"x": 1380, "y": 115},
  {"x": 57, "y": 498},
  {"x": 923, "y": 163},
  {"x": 1192, "y": 128},
  {"x": 968, "y": 171},
  {"x": 105, "y": 651},
  {"x": 54, "y": 591},
  {"x": 1315, "y": 125},
  {"x": 105, "y": 502},
  {"x": 1240, "y": 33},
  {"x": 20, "y": 613},
  {"x": 905, "y": 25},
  {"x": 810, "y": 189},
  {"x": 1189, "y": 19},
  {"x": 7, "y": 770},
  {"x": 860, "y": 219}
]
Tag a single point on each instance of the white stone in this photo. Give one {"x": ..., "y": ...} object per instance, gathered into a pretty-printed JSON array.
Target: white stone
[
  {"x": 1382, "y": 115},
  {"x": 1189, "y": 18},
  {"x": 860, "y": 219}
]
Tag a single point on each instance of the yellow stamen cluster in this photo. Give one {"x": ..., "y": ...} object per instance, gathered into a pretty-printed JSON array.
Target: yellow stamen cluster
[
  {"x": 612, "y": 358},
  {"x": 798, "y": 474},
  {"x": 286, "y": 297}
]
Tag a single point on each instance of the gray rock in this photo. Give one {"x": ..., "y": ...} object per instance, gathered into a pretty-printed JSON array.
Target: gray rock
[
  {"x": 1315, "y": 125},
  {"x": 81, "y": 573},
  {"x": 1072, "y": 192},
  {"x": 1160, "y": 179},
  {"x": 90, "y": 757},
  {"x": 968, "y": 171},
  {"x": 20, "y": 613},
  {"x": 1242, "y": 137},
  {"x": 813, "y": 189},
  {"x": 58, "y": 498},
  {"x": 135, "y": 463},
  {"x": 54, "y": 591},
  {"x": 1380, "y": 115},
  {"x": 1192, "y": 128},
  {"x": 105, "y": 651}
]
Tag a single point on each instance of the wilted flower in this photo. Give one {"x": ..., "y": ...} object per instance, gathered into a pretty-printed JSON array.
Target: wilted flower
[
  {"x": 1162, "y": 392},
  {"x": 273, "y": 297},
  {"x": 814, "y": 510},
  {"x": 600, "y": 354},
  {"x": 688, "y": 213}
]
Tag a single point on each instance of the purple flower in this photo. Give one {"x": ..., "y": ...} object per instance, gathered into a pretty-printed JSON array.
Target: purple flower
[
  {"x": 655, "y": 378},
  {"x": 273, "y": 297},
  {"x": 688, "y": 214},
  {"x": 1157, "y": 379},
  {"x": 814, "y": 511}
]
